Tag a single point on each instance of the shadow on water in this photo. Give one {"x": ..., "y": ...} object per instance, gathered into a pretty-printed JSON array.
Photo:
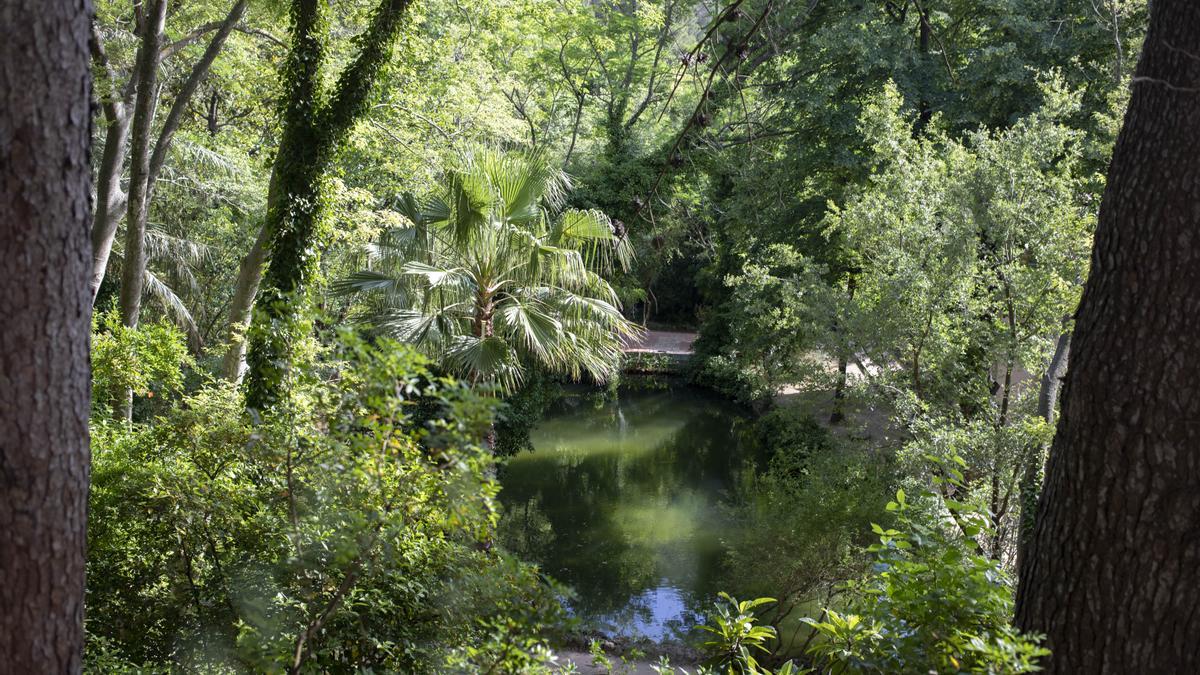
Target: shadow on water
[{"x": 622, "y": 500}]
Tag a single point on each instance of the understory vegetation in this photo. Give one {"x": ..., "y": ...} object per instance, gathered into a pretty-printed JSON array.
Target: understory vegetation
[{"x": 375, "y": 239}]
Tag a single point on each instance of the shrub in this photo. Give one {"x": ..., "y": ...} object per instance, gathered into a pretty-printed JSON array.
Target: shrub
[
  {"x": 148, "y": 360},
  {"x": 348, "y": 532},
  {"x": 933, "y": 603}
]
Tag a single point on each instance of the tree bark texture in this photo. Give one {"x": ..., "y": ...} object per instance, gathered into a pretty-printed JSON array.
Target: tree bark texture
[
  {"x": 133, "y": 271},
  {"x": 1031, "y": 475},
  {"x": 1113, "y": 573},
  {"x": 110, "y": 200},
  {"x": 240, "y": 308},
  {"x": 45, "y": 308}
]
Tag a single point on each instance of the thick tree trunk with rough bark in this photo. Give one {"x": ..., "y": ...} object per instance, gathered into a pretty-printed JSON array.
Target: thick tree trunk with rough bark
[
  {"x": 1047, "y": 408},
  {"x": 1113, "y": 574},
  {"x": 45, "y": 209}
]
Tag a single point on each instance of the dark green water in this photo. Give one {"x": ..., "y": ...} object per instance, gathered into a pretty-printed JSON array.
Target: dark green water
[{"x": 623, "y": 501}]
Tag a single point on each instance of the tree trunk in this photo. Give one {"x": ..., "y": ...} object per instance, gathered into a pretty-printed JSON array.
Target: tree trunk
[
  {"x": 839, "y": 392},
  {"x": 110, "y": 200},
  {"x": 133, "y": 271},
  {"x": 45, "y": 211},
  {"x": 1031, "y": 479},
  {"x": 313, "y": 131},
  {"x": 1113, "y": 574},
  {"x": 249, "y": 274},
  {"x": 187, "y": 91}
]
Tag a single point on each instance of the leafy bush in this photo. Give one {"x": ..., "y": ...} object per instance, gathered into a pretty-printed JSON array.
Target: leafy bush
[
  {"x": 148, "y": 360},
  {"x": 736, "y": 635},
  {"x": 933, "y": 603},
  {"x": 349, "y": 532}
]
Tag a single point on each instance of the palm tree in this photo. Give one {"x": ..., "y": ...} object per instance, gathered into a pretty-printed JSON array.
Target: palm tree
[{"x": 490, "y": 275}]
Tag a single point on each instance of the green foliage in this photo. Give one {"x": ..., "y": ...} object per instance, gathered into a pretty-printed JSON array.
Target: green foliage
[
  {"x": 969, "y": 252},
  {"x": 804, "y": 521},
  {"x": 846, "y": 188},
  {"x": 149, "y": 360},
  {"x": 777, "y": 311},
  {"x": 736, "y": 635},
  {"x": 348, "y": 533},
  {"x": 522, "y": 411},
  {"x": 650, "y": 364},
  {"x": 932, "y": 603}
]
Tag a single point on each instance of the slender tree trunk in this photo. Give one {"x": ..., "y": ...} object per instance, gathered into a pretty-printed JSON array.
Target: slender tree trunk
[
  {"x": 249, "y": 275},
  {"x": 132, "y": 277},
  {"x": 110, "y": 200},
  {"x": 45, "y": 210},
  {"x": 924, "y": 31},
  {"x": 134, "y": 270},
  {"x": 1113, "y": 573},
  {"x": 1031, "y": 479},
  {"x": 839, "y": 392},
  {"x": 187, "y": 91}
]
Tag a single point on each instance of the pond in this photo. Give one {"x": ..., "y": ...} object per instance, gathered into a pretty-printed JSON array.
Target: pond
[{"x": 624, "y": 500}]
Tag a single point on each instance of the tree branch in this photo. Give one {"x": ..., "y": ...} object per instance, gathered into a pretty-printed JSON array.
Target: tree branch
[
  {"x": 354, "y": 86},
  {"x": 199, "y": 71}
]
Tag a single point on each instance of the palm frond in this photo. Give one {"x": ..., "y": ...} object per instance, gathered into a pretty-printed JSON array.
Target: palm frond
[
  {"x": 193, "y": 154},
  {"x": 364, "y": 281},
  {"x": 489, "y": 258},
  {"x": 530, "y": 323},
  {"x": 489, "y": 361},
  {"x": 172, "y": 303},
  {"x": 163, "y": 246}
]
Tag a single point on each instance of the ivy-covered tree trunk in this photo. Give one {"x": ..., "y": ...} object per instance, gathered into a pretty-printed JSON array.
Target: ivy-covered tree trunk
[
  {"x": 1113, "y": 571},
  {"x": 45, "y": 210},
  {"x": 315, "y": 125}
]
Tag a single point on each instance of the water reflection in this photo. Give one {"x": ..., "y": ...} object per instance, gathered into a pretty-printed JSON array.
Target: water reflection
[{"x": 622, "y": 500}]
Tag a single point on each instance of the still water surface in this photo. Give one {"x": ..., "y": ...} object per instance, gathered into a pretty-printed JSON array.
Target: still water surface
[{"x": 624, "y": 500}]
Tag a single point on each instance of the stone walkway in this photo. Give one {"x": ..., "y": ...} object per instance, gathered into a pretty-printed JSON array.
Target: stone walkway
[{"x": 662, "y": 342}]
